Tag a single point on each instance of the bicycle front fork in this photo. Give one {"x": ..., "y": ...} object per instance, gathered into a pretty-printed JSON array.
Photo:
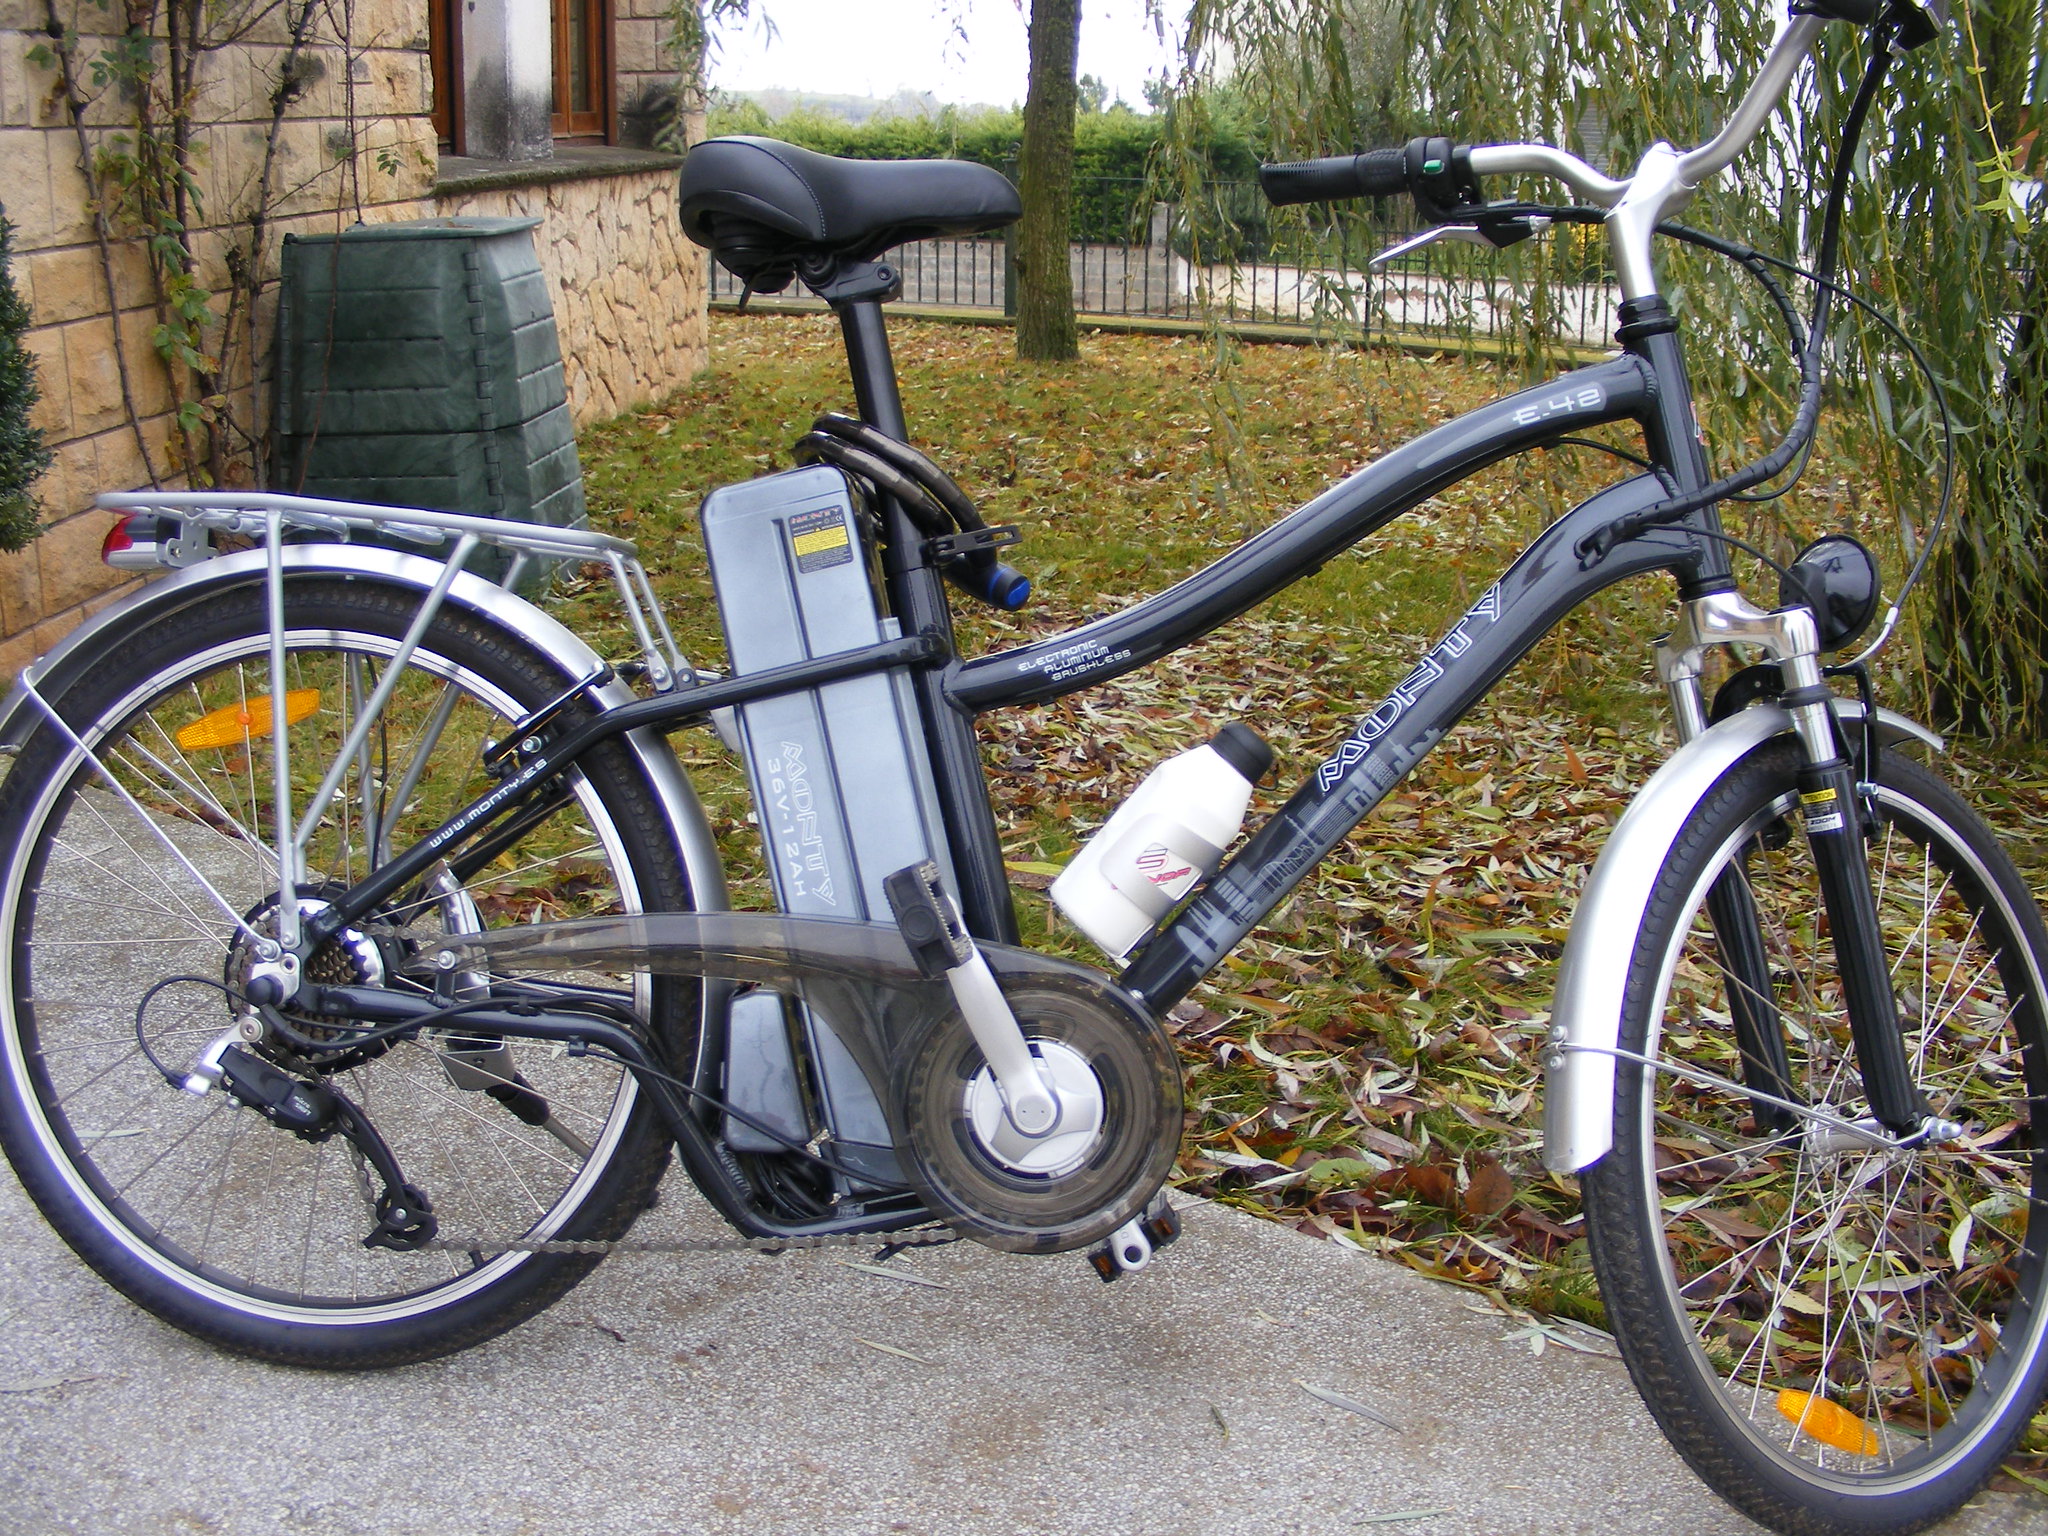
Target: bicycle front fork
[{"x": 1831, "y": 814}]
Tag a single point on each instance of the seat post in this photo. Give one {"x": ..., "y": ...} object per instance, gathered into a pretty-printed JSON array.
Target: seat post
[
  {"x": 917, "y": 594},
  {"x": 875, "y": 390}
]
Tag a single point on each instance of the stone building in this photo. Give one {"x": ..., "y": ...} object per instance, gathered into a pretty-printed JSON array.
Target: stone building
[{"x": 424, "y": 108}]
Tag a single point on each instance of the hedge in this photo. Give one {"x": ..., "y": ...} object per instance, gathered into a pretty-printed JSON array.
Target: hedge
[{"x": 1114, "y": 152}]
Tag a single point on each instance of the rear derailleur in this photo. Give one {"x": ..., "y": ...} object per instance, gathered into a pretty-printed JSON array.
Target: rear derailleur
[{"x": 315, "y": 1113}]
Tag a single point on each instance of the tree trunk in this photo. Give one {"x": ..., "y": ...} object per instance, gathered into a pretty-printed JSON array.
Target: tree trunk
[{"x": 1045, "y": 284}]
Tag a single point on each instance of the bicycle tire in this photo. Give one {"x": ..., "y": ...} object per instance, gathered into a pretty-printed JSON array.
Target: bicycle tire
[
  {"x": 1742, "y": 1266},
  {"x": 207, "y": 1216}
]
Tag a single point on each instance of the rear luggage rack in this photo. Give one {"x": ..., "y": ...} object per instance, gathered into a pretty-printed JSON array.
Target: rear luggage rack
[{"x": 186, "y": 522}]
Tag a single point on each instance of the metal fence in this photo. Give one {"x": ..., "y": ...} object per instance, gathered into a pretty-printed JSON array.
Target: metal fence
[{"x": 1130, "y": 260}]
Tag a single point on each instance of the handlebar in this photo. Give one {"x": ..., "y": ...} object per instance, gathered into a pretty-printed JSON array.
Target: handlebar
[{"x": 1444, "y": 177}]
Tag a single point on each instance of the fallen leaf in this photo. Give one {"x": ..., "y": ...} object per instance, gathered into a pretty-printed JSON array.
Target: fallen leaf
[
  {"x": 891, "y": 1349},
  {"x": 888, "y": 1273},
  {"x": 1348, "y": 1404},
  {"x": 47, "y": 1383},
  {"x": 1386, "y": 1143},
  {"x": 1490, "y": 1189},
  {"x": 1402, "y": 1514},
  {"x": 1430, "y": 1181}
]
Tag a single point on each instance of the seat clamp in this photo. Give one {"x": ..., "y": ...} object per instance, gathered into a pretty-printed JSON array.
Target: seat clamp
[{"x": 838, "y": 282}]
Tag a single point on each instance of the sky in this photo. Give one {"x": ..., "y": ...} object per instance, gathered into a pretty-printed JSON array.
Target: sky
[{"x": 963, "y": 51}]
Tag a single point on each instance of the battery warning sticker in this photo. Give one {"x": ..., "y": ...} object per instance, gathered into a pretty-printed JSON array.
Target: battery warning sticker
[{"x": 820, "y": 539}]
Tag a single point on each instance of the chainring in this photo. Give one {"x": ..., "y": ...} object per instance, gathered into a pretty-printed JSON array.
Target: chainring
[{"x": 1097, "y": 1168}]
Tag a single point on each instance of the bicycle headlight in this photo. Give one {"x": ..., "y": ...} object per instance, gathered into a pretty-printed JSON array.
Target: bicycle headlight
[{"x": 1837, "y": 578}]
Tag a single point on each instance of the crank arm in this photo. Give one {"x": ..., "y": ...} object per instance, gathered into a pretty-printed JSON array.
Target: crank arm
[
  {"x": 940, "y": 944},
  {"x": 1131, "y": 1246}
]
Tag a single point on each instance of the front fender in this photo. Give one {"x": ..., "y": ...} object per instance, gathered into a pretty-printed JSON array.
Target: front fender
[
  {"x": 1578, "y": 1087},
  {"x": 105, "y": 635}
]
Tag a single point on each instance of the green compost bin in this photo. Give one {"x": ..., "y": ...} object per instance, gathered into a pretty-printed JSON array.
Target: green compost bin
[{"x": 418, "y": 365}]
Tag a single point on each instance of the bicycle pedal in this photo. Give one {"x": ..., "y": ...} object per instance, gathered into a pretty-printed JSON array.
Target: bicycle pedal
[{"x": 1131, "y": 1246}]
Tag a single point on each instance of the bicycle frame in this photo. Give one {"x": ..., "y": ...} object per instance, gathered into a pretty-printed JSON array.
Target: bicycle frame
[
  {"x": 1648, "y": 385},
  {"x": 1515, "y": 611},
  {"x": 1544, "y": 583}
]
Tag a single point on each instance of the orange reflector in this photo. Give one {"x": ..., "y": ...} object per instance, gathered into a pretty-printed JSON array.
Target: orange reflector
[
  {"x": 1829, "y": 1423},
  {"x": 233, "y": 724}
]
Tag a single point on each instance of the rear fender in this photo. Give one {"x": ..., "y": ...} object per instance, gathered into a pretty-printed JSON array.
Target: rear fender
[{"x": 107, "y": 633}]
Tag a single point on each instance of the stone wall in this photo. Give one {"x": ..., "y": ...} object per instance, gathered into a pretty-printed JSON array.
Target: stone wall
[
  {"x": 643, "y": 74},
  {"x": 357, "y": 143},
  {"x": 628, "y": 288}
]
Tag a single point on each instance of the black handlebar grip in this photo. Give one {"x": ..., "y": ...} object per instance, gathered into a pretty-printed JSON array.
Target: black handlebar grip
[
  {"x": 1858, "y": 13},
  {"x": 1376, "y": 173}
]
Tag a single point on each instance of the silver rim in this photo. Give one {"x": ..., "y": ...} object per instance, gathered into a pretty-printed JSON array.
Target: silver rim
[
  {"x": 1880, "y": 1285},
  {"x": 212, "y": 1199}
]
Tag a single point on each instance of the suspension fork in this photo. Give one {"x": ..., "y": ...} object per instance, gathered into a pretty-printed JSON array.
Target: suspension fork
[
  {"x": 1831, "y": 815},
  {"x": 1738, "y": 928}
]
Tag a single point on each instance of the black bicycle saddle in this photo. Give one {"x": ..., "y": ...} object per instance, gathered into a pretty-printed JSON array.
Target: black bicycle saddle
[{"x": 760, "y": 205}]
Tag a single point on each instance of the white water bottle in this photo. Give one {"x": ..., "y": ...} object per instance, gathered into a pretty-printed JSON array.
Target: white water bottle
[{"x": 1170, "y": 834}]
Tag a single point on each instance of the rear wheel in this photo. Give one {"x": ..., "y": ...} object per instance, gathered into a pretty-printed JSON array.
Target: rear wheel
[
  {"x": 1840, "y": 1336},
  {"x": 206, "y": 1214}
]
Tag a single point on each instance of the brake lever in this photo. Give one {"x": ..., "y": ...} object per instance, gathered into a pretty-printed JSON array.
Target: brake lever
[
  {"x": 1469, "y": 233},
  {"x": 1495, "y": 234}
]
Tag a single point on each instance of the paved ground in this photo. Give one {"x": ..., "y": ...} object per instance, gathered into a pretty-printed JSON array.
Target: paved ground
[{"x": 749, "y": 1394}]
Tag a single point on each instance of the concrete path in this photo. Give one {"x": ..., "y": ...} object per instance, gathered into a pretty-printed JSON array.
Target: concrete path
[{"x": 714, "y": 1395}]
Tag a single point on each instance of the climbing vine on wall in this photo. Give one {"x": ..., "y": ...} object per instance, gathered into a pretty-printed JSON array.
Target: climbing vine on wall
[{"x": 145, "y": 88}]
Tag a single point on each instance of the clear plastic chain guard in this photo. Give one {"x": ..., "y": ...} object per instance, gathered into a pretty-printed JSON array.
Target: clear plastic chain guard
[
  {"x": 860, "y": 978},
  {"x": 858, "y": 975}
]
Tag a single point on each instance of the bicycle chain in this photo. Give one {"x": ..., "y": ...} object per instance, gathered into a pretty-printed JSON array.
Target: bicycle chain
[{"x": 926, "y": 1238}]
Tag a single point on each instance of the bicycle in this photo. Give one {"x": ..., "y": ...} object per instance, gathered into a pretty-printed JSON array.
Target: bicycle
[{"x": 417, "y": 928}]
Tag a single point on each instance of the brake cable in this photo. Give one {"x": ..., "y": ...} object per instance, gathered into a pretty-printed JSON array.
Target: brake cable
[{"x": 1806, "y": 418}]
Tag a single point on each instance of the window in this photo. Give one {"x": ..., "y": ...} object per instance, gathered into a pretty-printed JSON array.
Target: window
[
  {"x": 444, "y": 33},
  {"x": 581, "y": 37},
  {"x": 582, "y": 68}
]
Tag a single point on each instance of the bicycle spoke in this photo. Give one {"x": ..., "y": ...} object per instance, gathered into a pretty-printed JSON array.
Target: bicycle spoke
[{"x": 111, "y": 908}]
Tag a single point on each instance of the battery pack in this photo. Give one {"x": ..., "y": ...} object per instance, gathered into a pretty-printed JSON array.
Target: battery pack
[{"x": 841, "y": 783}]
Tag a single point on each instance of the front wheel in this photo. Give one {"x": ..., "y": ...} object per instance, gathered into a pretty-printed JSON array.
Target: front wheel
[
  {"x": 131, "y": 908},
  {"x": 1839, "y": 1336}
]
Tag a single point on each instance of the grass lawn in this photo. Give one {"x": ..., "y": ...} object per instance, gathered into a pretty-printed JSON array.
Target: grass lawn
[{"x": 1365, "y": 1066}]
